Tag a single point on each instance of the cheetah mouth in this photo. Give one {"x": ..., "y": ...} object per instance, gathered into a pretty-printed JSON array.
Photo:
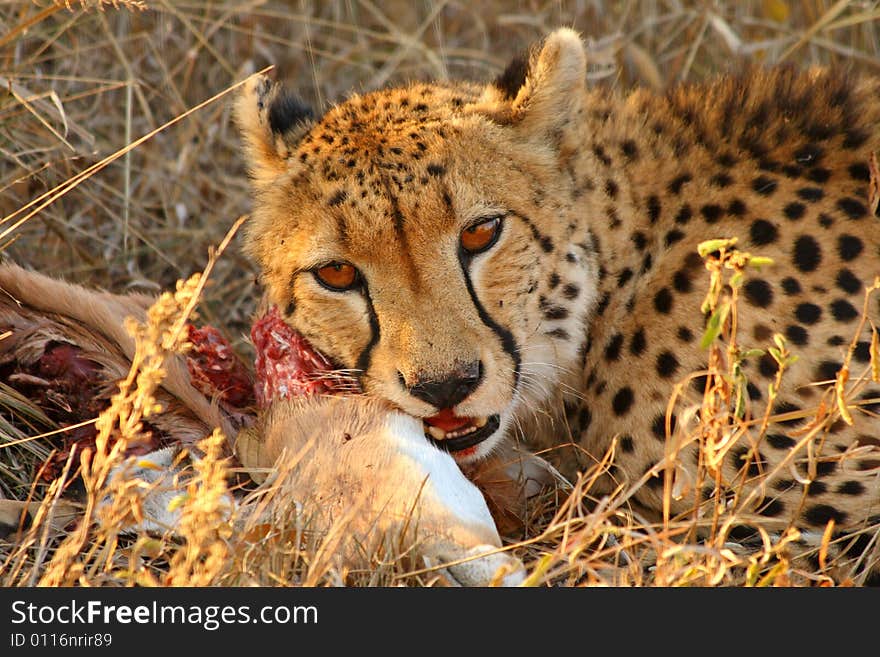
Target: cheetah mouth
[{"x": 459, "y": 435}]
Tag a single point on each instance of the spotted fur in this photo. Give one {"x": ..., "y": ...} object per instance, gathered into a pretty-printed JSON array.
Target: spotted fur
[{"x": 593, "y": 290}]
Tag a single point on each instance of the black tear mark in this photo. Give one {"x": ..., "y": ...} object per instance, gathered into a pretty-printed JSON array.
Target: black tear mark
[
  {"x": 508, "y": 342},
  {"x": 363, "y": 359},
  {"x": 544, "y": 240}
]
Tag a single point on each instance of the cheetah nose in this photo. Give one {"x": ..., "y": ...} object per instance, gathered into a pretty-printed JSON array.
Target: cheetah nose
[{"x": 450, "y": 390}]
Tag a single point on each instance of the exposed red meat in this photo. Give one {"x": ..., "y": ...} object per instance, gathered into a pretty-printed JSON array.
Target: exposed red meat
[
  {"x": 287, "y": 366},
  {"x": 215, "y": 369},
  {"x": 67, "y": 387},
  {"x": 63, "y": 360}
]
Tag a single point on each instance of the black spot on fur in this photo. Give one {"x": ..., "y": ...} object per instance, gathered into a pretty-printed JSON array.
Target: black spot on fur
[
  {"x": 602, "y": 156},
  {"x": 672, "y": 237},
  {"x": 852, "y": 208},
  {"x": 663, "y": 301},
  {"x": 763, "y": 232},
  {"x": 639, "y": 240},
  {"x": 849, "y": 247},
  {"x": 685, "y": 334},
  {"x": 819, "y": 175},
  {"x": 810, "y": 194},
  {"x": 436, "y": 169},
  {"x": 843, "y": 311},
  {"x": 585, "y": 417},
  {"x": 726, "y": 160},
  {"x": 854, "y": 139},
  {"x": 808, "y": 313},
  {"x": 862, "y": 352},
  {"x": 737, "y": 208},
  {"x": 859, "y": 171},
  {"x": 721, "y": 180},
  {"x": 764, "y": 186},
  {"x": 626, "y": 444},
  {"x": 622, "y": 401},
  {"x": 754, "y": 392},
  {"x": 780, "y": 441},
  {"x": 712, "y": 212},
  {"x": 684, "y": 215},
  {"x": 653, "y": 209},
  {"x": 681, "y": 281},
  {"x": 551, "y": 310},
  {"x": 797, "y": 334},
  {"x": 807, "y": 253},
  {"x": 338, "y": 198},
  {"x": 851, "y": 488},
  {"x": 638, "y": 343},
  {"x": 767, "y": 366},
  {"x": 784, "y": 407},
  {"x": 791, "y": 286},
  {"x": 629, "y": 149},
  {"x": 624, "y": 277},
  {"x": 658, "y": 426},
  {"x": 794, "y": 210},
  {"x": 570, "y": 291},
  {"x": 827, "y": 370},
  {"x": 772, "y": 509},
  {"x": 820, "y": 514},
  {"x": 612, "y": 349},
  {"x": 667, "y": 364},
  {"x": 678, "y": 182},
  {"x": 848, "y": 282},
  {"x": 758, "y": 292}
]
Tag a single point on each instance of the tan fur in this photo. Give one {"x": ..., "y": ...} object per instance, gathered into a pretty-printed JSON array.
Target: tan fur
[
  {"x": 595, "y": 278},
  {"x": 370, "y": 471},
  {"x": 16, "y": 517}
]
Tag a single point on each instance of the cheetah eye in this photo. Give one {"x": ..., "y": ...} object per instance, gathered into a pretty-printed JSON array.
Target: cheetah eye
[
  {"x": 480, "y": 236},
  {"x": 337, "y": 276}
]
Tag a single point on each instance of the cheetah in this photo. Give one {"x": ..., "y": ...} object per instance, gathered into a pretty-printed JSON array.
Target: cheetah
[{"x": 475, "y": 253}]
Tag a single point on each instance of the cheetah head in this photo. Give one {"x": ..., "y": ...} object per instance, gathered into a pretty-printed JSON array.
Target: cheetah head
[{"x": 421, "y": 237}]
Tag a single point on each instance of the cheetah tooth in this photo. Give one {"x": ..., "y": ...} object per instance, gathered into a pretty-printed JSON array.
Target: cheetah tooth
[
  {"x": 480, "y": 422},
  {"x": 436, "y": 432}
]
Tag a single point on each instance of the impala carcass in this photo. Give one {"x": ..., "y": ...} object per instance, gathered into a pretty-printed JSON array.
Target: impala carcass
[{"x": 292, "y": 426}]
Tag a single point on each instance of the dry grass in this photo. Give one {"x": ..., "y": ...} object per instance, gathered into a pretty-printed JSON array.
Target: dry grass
[{"x": 83, "y": 81}]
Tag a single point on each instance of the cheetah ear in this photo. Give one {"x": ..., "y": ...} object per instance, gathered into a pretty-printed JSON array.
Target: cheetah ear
[
  {"x": 272, "y": 121},
  {"x": 542, "y": 92}
]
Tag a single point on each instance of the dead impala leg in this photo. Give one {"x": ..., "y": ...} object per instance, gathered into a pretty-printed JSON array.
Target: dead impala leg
[{"x": 353, "y": 453}]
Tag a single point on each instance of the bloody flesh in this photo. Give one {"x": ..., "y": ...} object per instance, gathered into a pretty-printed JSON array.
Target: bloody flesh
[
  {"x": 287, "y": 366},
  {"x": 215, "y": 369}
]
